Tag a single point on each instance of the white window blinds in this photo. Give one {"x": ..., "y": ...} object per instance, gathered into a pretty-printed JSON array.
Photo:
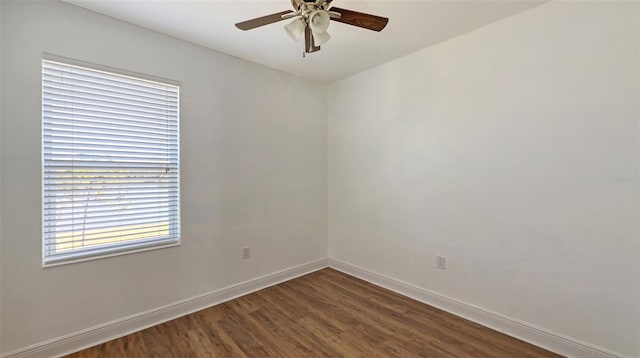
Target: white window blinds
[{"x": 110, "y": 163}]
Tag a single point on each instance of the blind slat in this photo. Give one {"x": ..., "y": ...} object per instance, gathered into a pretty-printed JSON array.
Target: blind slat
[
  {"x": 72, "y": 83},
  {"x": 107, "y": 105},
  {"x": 113, "y": 156},
  {"x": 113, "y": 241},
  {"x": 115, "y": 234},
  {"x": 104, "y": 205},
  {"x": 98, "y": 150},
  {"x": 54, "y": 65},
  {"x": 84, "y": 182},
  {"x": 55, "y": 142},
  {"x": 66, "y": 111},
  {"x": 65, "y": 115},
  {"x": 76, "y": 77},
  {"x": 103, "y": 226},
  {"x": 118, "y": 212},
  {"x": 79, "y": 131},
  {"x": 60, "y": 94},
  {"x": 70, "y": 138}
]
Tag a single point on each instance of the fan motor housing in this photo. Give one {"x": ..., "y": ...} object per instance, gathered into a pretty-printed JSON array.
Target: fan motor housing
[{"x": 298, "y": 3}]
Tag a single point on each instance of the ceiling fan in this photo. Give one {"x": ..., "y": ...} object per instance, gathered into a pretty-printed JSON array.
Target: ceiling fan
[{"x": 311, "y": 17}]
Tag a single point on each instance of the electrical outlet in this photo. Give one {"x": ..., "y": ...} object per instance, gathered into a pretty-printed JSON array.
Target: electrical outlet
[
  {"x": 246, "y": 253},
  {"x": 441, "y": 262}
]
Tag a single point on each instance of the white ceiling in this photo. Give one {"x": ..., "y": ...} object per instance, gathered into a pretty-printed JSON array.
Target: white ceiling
[{"x": 413, "y": 25}]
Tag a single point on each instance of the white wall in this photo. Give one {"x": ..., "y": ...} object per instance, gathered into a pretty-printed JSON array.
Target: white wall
[
  {"x": 511, "y": 150},
  {"x": 0, "y": 182},
  {"x": 253, "y": 173}
]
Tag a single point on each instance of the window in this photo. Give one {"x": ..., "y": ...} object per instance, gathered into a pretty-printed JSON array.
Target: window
[{"x": 110, "y": 163}]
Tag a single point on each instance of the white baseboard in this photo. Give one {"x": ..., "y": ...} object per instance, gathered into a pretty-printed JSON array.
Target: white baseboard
[
  {"x": 525, "y": 331},
  {"x": 105, "y": 332}
]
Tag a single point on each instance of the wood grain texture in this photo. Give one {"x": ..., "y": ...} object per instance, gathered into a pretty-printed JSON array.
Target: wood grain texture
[
  {"x": 261, "y": 21},
  {"x": 355, "y": 18},
  {"x": 323, "y": 314}
]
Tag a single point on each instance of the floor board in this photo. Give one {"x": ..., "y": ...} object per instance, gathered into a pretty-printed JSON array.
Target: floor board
[{"x": 323, "y": 314}]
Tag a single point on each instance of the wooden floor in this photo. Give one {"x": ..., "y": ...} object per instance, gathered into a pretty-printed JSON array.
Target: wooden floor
[{"x": 326, "y": 313}]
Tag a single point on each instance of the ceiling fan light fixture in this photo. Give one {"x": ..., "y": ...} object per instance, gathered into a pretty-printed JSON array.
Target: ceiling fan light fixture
[
  {"x": 321, "y": 38},
  {"x": 319, "y": 21},
  {"x": 295, "y": 29}
]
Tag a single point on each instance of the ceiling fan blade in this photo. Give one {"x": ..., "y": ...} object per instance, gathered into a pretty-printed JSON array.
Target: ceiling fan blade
[
  {"x": 371, "y": 22},
  {"x": 261, "y": 21},
  {"x": 309, "y": 45}
]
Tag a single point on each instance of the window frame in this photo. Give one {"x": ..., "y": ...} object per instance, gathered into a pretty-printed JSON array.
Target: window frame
[{"x": 113, "y": 249}]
